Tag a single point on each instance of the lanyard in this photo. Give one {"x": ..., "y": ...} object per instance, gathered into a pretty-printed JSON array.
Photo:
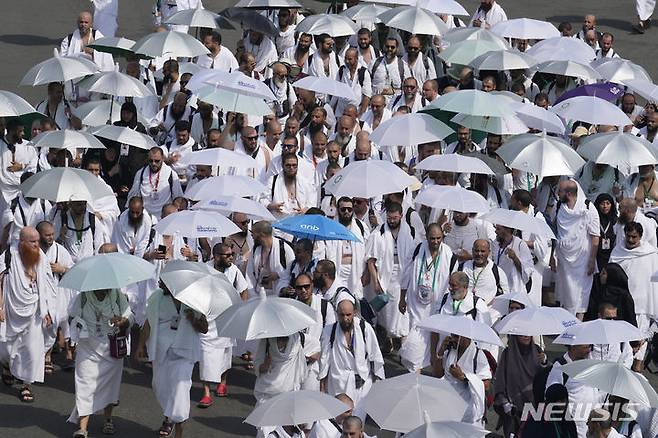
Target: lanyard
[
  {"x": 501, "y": 251},
  {"x": 477, "y": 277},
  {"x": 157, "y": 181},
  {"x": 435, "y": 263}
]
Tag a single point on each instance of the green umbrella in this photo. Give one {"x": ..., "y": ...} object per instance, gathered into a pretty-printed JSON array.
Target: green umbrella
[
  {"x": 465, "y": 52},
  {"x": 446, "y": 117},
  {"x": 107, "y": 271}
]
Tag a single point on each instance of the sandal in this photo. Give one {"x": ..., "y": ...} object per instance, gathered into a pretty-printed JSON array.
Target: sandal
[
  {"x": 166, "y": 429},
  {"x": 7, "y": 378},
  {"x": 26, "y": 395},
  {"x": 48, "y": 368},
  {"x": 205, "y": 402},
  {"x": 221, "y": 390},
  {"x": 80, "y": 433},
  {"x": 108, "y": 428}
]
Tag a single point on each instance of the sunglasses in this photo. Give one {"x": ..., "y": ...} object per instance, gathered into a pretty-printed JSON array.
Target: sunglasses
[
  {"x": 288, "y": 146},
  {"x": 346, "y": 209},
  {"x": 303, "y": 286}
]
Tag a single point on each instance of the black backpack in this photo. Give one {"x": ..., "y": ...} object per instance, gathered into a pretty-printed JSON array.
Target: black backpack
[
  {"x": 496, "y": 274},
  {"x": 540, "y": 379},
  {"x": 360, "y": 72}
]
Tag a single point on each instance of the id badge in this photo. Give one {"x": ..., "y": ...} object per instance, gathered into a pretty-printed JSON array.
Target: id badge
[
  {"x": 605, "y": 243},
  {"x": 174, "y": 322},
  {"x": 155, "y": 196},
  {"x": 124, "y": 150},
  {"x": 99, "y": 330},
  {"x": 424, "y": 293}
]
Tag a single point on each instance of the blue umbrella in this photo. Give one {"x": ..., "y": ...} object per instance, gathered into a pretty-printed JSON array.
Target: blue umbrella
[
  {"x": 314, "y": 227},
  {"x": 606, "y": 90}
]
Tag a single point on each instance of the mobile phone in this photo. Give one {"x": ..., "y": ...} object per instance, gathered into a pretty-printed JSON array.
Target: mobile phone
[{"x": 162, "y": 248}]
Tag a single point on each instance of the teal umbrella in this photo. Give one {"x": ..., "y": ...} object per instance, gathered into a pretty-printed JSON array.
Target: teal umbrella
[
  {"x": 107, "y": 271},
  {"x": 446, "y": 117}
]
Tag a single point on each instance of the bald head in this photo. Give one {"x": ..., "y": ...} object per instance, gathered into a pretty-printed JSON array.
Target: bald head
[
  {"x": 85, "y": 22},
  {"x": 107, "y": 248},
  {"x": 27, "y": 234},
  {"x": 28, "y": 246}
]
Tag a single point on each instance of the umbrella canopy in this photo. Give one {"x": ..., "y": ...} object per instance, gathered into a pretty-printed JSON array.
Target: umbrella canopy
[
  {"x": 453, "y": 198},
  {"x": 195, "y": 17},
  {"x": 402, "y": 403},
  {"x": 536, "y": 117},
  {"x": 503, "y": 60},
  {"x": 250, "y": 19},
  {"x": 526, "y": 29},
  {"x": 450, "y": 7},
  {"x": 325, "y": 86},
  {"x": 541, "y": 155},
  {"x": 107, "y": 271},
  {"x": 67, "y": 138},
  {"x": 265, "y": 317},
  {"x": 613, "y": 378},
  {"x": 234, "y": 102},
  {"x": 296, "y": 407},
  {"x": 315, "y": 227},
  {"x": 62, "y": 184},
  {"x": 568, "y": 68},
  {"x": 621, "y": 150},
  {"x": 562, "y": 49},
  {"x": 619, "y": 70},
  {"x": 97, "y": 112},
  {"x": 200, "y": 287},
  {"x": 414, "y": 20},
  {"x": 536, "y": 321},
  {"x": 368, "y": 179},
  {"x": 644, "y": 88},
  {"x": 219, "y": 157},
  {"x": 459, "y": 34},
  {"x": 605, "y": 90},
  {"x": 472, "y": 102},
  {"x": 196, "y": 223},
  {"x": 123, "y": 134},
  {"x": 580, "y": 109},
  {"x": 115, "y": 46},
  {"x": 466, "y": 51},
  {"x": 12, "y": 105},
  {"x": 225, "y": 185},
  {"x": 408, "y": 129},
  {"x": 268, "y": 4},
  {"x": 494, "y": 163},
  {"x": 59, "y": 69},
  {"x": 331, "y": 24},
  {"x": 227, "y": 205},
  {"x": 447, "y": 429},
  {"x": 601, "y": 332},
  {"x": 519, "y": 297},
  {"x": 508, "y": 125},
  {"x": 170, "y": 44},
  {"x": 518, "y": 220},
  {"x": 367, "y": 12},
  {"x": 455, "y": 163},
  {"x": 116, "y": 83},
  {"x": 235, "y": 81},
  {"x": 460, "y": 326}
]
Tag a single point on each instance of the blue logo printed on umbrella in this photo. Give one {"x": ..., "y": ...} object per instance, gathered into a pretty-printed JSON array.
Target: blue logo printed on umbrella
[
  {"x": 309, "y": 227},
  {"x": 205, "y": 229},
  {"x": 244, "y": 84}
]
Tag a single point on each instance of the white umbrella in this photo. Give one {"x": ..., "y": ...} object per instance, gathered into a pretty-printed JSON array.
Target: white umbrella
[
  {"x": 600, "y": 332},
  {"x": 268, "y": 4},
  {"x": 519, "y": 297},
  {"x": 402, "y": 403},
  {"x": 235, "y": 204},
  {"x": 234, "y": 102},
  {"x": 562, "y": 49},
  {"x": 450, "y": 7},
  {"x": 66, "y": 138},
  {"x": 644, "y": 88},
  {"x": 365, "y": 12},
  {"x": 331, "y": 24},
  {"x": 454, "y": 163},
  {"x": 464, "y": 52},
  {"x": 107, "y": 271},
  {"x": 508, "y": 125},
  {"x": 518, "y": 220},
  {"x": 200, "y": 287},
  {"x": 195, "y": 17},
  {"x": 62, "y": 184},
  {"x": 540, "y": 154},
  {"x": 453, "y": 198},
  {"x": 116, "y": 83},
  {"x": 525, "y": 29},
  {"x": 96, "y": 112},
  {"x": 197, "y": 224},
  {"x": 296, "y": 407},
  {"x": 368, "y": 179},
  {"x": 536, "y": 117},
  {"x": 414, "y": 20},
  {"x": 12, "y": 105},
  {"x": 447, "y": 429},
  {"x": 460, "y": 326},
  {"x": 124, "y": 135},
  {"x": 621, "y": 150},
  {"x": 225, "y": 185},
  {"x": 325, "y": 86},
  {"x": 613, "y": 378},
  {"x": 511, "y": 97},
  {"x": 170, "y": 44},
  {"x": 536, "y": 321},
  {"x": 219, "y": 157},
  {"x": 472, "y": 102},
  {"x": 569, "y": 68},
  {"x": 59, "y": 69},
  {"x": 459, "y": 34},
  {"x": 579, "y": 108},
  {"x": 416, "y": 128},
  {"x": 189, "y": 67},
  {"x": 265, "y": 317},
  {"x": 235, "y": 81},
  {"x": 619, "y": 70},
  {"x": 503, "y": 60}
]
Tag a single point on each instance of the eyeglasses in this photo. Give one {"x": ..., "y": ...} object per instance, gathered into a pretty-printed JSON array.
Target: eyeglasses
[
  {"x": 345, "y": 209},
  {"x": 288, "y": 146},
  {"x": 303, "y": 286},
  {"x": 391, "y": 47}
]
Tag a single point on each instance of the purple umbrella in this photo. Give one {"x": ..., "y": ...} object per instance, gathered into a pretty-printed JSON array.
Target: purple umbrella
[{"x": 606, "y": 90}]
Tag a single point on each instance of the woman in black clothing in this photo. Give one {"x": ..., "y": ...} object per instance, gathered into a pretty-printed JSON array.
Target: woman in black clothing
[
  {"x": 134, "y": 158},
  {"x": 605, "y": 205}
]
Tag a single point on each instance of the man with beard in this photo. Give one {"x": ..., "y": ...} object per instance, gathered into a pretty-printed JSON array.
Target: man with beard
[
  {"x": 345, "y": 137},
  {"x": 77, "y": 229},
  {"x": 488, "y": 14},
  {"x": 367, "y": 54},
  {"x": 305, "y": 169},
  {"x": 560, "y": 85},
  {"x": 332, "y": 153},
  {"x": 282, "y": 90},
  {"x": 176, "y": 150},
  {"x": 249, "y": 145},
  {"x": 483, "y": 185},
  {"x": 303, "y": 291},
  {"x": 262, "y": 48},
  {"x": 318, "y": 123},
  {"x": 303, "y": 108},
  {"x": 267, "y": 268},
  {"x": 304, "y": 263},
  {"x": 171, "y": 82},
  {"x": 326, "y": 286},
  {"x": 290, "y": 194},
  {"x": 217, "y": 351},
  {"x": 464, "y": 143},
  {"x": 377, "y": 113},
  {"x": 642, "y": 186},
  {"x": 285, "y": 39},
  {"x": 324, "y": 63},
  {"x": 316, "y": 152},
  {"x": 349, "y": 257},
  {"x": 629, "y": 212},
  {"x": 639, "y": 260},
  {"x": 422, "y": 69},
  {"x": 630, "y": 107},
  {"x": 410, "y": 97},
  {"x": 220, "y": 57},
  {"x": 299, "y": 54},
  {"x": 651, "y": 129},
  {"x": 389, "y": 70},
  {"x": 157, "y": 184},
  {"x": 364, "y": 150},
  {"x": 485, "y": 279},
  {"x": 27, "y": 312},
  {"x": 513, "y": 256},
  {"x": 247, "y": 66},
  {"x": 359, "y": 80},
  {"x": 16, "y": 157},
  {"x": 387, "y": 250},
  {"x": 573, "y": 256},
  {"x": 241, "y": 243},
  {"x": 162, "y": 126},
  {"x": 202, "y": 122},
  {"x": 350, "y": 358},
  {"x": 132, "y": 230},
  {"x": 463, "y": 231}
]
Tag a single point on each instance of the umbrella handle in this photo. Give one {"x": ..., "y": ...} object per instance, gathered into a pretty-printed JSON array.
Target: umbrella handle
[{"x": 109, "y": 118}]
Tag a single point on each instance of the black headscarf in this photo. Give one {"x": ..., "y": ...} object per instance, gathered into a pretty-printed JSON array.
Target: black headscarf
[{"x": 612, "y": 215}]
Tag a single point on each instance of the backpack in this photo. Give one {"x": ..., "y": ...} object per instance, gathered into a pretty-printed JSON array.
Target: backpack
[
  {"x": 473, "y": 312},
  {"x": 407, "y": 218},
  {"x": 332, "y": 337},
  {"x": 310, "y": 59},
  {"x": 540, "y": 379},
  {"x": 453, "y": 259},
  {"x": 379, "y": 60},
  {"x": 69, "y": 37},
  {"x": 360, "y": 72},
  {"x": 302, "y": 340},
  {"x": 92, "y": 222},
  {"x": 557, "y": 210},
  {"x": 282, "y": 109},
  {"x": 15, "y": 204},
  {"x": 171, "y": 180},
  {"x": 652, "y": 353},
  {"x": 496, "y": 274}
]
